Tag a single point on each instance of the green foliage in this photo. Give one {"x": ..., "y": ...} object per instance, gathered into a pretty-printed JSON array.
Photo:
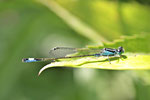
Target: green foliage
[
  {"x": 29, "y": 29},
  {"x": 138, "y": 62},
  {"x": 130, "y": 42}
]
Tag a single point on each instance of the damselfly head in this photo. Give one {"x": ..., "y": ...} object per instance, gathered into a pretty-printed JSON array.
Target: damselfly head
[{"x": 120, "y": 50}]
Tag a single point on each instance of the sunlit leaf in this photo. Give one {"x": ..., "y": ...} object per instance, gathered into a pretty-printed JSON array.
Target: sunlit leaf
[{"x": 131, "y": 62}]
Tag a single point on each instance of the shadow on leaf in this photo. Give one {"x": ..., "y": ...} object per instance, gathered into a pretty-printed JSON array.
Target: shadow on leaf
[{"x": 106, "y": 60}]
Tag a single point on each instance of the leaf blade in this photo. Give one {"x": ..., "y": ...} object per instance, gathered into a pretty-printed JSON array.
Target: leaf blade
[{"x": 139, "y": 62}]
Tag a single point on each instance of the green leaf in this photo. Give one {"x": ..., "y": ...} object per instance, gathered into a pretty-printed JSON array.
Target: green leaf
[
  {"x": 131, "y": 62},
  {"x": 132, "y": 43}
]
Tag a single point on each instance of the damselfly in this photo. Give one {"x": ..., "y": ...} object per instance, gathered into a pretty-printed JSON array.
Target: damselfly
[{"x": 64, "y": 52}]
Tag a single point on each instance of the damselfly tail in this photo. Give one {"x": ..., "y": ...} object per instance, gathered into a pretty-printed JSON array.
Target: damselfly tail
[{"x": 28, "y": 60}]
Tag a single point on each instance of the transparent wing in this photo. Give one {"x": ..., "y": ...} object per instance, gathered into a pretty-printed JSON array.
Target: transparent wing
[
  {"x": 61, "y": 52},
  {"x": 58, "y": 52}
]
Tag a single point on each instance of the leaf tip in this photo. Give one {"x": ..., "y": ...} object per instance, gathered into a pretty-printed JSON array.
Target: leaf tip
[
  {"x": 42, "y": 69},
  {"x": 39, "y": 74}
]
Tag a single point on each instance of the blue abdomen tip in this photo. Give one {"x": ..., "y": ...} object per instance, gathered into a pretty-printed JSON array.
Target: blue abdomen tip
[{"x": 30, "y": 60}]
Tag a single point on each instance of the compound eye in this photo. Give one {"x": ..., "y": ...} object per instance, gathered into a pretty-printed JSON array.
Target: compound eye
[{"x": 120, "y": 49}]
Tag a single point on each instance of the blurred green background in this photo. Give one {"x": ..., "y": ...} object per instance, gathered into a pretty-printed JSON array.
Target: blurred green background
[{"x": 30, "y": 29}]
